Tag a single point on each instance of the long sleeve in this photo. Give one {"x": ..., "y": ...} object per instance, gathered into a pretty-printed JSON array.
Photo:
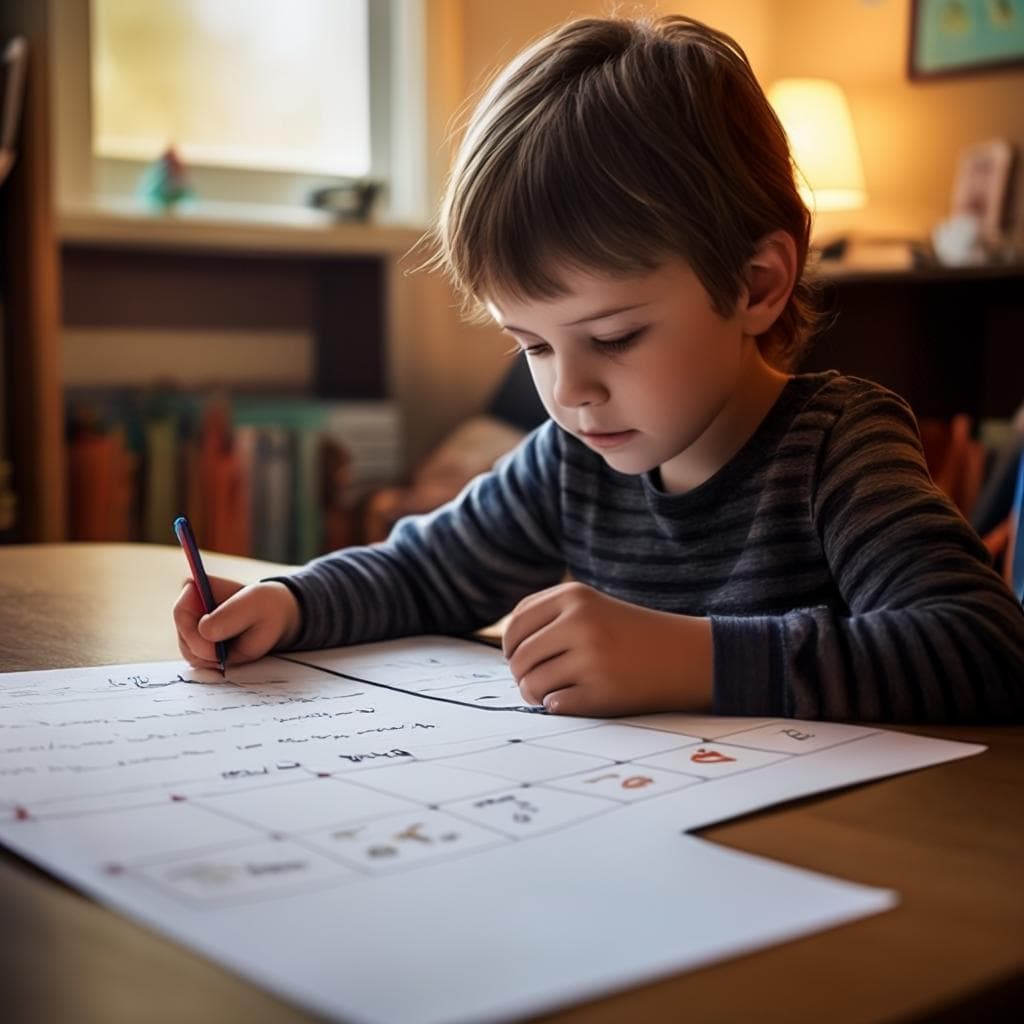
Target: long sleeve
[
  {"x": 450, "y": 571},
  {"x": 929, "y": 632}
]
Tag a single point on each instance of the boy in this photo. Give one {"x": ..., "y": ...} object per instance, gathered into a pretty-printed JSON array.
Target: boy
[{"x": 740, "y": 539}]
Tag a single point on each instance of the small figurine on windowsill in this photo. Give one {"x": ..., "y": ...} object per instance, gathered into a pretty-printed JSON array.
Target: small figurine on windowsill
[{"x": 164, "y": 183}]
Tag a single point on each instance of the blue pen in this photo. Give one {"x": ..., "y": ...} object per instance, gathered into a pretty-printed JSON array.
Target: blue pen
[{"x": 183, "y": 531}]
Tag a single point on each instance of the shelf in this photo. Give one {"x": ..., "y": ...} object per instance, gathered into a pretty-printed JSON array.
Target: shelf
[
  {"x": 836, "y": 270},
  {"x": 230, "y": 227}
]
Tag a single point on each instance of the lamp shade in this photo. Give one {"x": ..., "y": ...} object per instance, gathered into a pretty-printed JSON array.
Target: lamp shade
[{"x": 817, "y": 120}]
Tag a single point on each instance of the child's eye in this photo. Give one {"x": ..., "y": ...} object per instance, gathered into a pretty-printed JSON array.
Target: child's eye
[
  {"x": 533, "y": 350},
  {"x": 618, "y": 344},
  {"x": 605, "y": 344}
]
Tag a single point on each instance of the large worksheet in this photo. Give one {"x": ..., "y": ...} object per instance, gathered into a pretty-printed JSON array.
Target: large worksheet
[{"x": 386, "y": 833}]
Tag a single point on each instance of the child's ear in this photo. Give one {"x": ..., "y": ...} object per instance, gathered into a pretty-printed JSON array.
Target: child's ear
[{"x": 771, "y": 276}]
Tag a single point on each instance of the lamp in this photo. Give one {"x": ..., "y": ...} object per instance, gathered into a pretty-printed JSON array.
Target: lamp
[{"x": 817, "y": 120}]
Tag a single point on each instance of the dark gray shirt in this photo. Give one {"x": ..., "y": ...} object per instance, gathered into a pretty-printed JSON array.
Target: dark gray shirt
[{"x": 840, "y": 582}]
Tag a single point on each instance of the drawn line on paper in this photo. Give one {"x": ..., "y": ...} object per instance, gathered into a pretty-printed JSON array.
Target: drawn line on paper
[{"x": 533, "y": 709}]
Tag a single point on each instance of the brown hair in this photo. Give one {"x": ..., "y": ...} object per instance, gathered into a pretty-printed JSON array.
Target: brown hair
[{"x": 610, "y": 145}]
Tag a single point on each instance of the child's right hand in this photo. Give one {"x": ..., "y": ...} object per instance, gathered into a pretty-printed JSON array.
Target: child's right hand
[{"x": 254, "y": 618}]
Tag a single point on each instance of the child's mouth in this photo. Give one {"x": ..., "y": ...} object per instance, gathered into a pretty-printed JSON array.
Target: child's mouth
[{"x": 612, "y": 440}]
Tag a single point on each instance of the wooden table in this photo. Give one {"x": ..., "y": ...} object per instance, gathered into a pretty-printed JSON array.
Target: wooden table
[{"x": 949, "y": 839}]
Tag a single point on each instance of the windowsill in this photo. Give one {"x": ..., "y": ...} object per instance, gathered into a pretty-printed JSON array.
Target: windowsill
[{"x": 230, "y": 227}]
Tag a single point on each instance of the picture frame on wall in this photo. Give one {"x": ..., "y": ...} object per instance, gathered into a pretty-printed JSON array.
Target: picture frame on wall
[
  {"x": 964, "y": 37},
  {"x": 981, "y": 184}
]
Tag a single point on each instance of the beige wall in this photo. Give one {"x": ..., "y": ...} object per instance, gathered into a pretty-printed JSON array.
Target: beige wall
[{"x": 495, "y": 32}]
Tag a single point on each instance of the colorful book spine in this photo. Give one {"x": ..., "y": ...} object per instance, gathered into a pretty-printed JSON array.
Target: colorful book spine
[{"x": 273, "y": 477}]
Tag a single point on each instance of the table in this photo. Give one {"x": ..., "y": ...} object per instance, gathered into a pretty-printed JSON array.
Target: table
[{"x": 949, "y": 839}]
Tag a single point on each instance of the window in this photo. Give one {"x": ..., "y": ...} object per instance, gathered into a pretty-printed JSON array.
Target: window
[
  {"x": 264, "y": 100},
  {"x": 272, "y": 85}
]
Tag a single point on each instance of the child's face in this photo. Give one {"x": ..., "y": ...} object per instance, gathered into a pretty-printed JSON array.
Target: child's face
[{"x": 645, "y": 400}]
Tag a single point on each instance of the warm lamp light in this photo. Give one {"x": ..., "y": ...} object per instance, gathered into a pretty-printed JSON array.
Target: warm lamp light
[{"x": 817, "y": 120}]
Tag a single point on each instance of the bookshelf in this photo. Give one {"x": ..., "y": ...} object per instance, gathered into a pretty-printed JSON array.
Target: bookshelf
[
  {"x": 169, "y": 299},
  {"x": 218, "y": 271}
]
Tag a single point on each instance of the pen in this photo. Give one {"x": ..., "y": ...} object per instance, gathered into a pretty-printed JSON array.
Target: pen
[{"x": 183, "y": 531}]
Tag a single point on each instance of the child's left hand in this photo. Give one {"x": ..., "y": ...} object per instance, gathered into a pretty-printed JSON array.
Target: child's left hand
[{"x": 578, "y": 651}]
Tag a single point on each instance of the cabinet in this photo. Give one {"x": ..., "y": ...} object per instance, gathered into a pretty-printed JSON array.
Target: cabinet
[{"x": 949, "y": 340}]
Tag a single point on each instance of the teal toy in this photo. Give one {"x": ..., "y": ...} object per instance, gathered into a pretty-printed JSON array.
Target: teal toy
[{"x": 164, "y": 183}]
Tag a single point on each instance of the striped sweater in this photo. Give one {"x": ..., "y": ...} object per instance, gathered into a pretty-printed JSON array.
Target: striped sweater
[{"x": 840, "y": 582}]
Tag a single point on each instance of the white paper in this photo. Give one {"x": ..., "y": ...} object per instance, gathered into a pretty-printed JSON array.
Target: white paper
[{"x": 387, "y": 833}]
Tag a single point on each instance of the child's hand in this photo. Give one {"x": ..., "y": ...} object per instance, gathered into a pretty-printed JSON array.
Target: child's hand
[
  {"x": 580, "y": 652},
  {"x": 255, "y": 619}
]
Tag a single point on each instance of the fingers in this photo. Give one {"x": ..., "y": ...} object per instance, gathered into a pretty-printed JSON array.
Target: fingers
[
  {"x": 230, "y": 618},
  {"x": 530, "y": 615},
  {"x": 194, "y": 660},
  {"x": 537, "y": 649},
  {"x": 253, "y": 643},
  {"x": 564, "y": 696},
  {"x": 187, "y": 611},
  {"x": 222, "y": 589},
  {"x": 253, "y": 619},
  {"x": 197, "y": 631},
  {"x": 548, "y": 677},
  {"x": 571, "y": 700},
  {"x": 189, "y": 603},
  {"x": 562, "y": 686}
]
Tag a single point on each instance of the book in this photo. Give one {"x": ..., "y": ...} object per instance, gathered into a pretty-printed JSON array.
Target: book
[{"x": 272, "y": 476}]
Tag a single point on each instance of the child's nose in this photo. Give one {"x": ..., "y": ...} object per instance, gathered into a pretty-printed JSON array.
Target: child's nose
[{"x": 576, "y": 385}]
